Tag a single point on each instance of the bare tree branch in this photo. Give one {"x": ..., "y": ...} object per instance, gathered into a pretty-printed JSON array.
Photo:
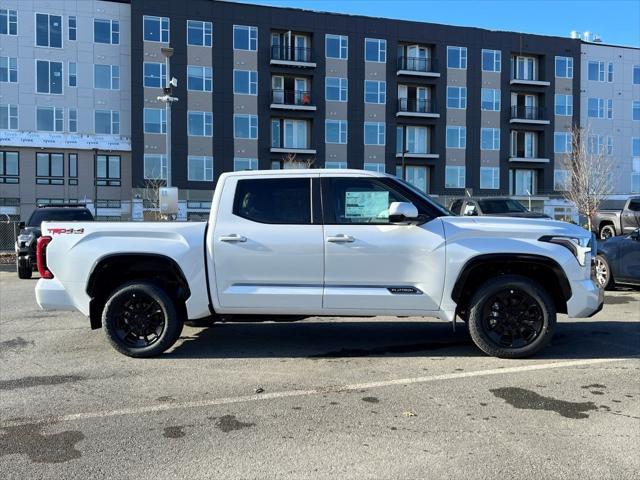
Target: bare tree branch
[
  {"x": 290, "y": 161},
  {"x": 151, "y": 199}
]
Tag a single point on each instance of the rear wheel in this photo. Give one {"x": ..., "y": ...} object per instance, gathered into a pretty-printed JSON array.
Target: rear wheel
[
  {"x": 511, "y": 317},
  {"x": 603, "y": 273},
  {"x": 141, "y": 320},
  {"x": 24, "y": 270},
  {"x": 607, "y": 232}
]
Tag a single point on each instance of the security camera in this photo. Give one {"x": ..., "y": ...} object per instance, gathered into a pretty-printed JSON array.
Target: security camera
[{"x": 173, "y": 82}]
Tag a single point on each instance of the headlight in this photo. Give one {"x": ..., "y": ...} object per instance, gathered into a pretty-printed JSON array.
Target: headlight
[
  {"x": 579, "y": 246},
  {"x": 25, "y": 238}
]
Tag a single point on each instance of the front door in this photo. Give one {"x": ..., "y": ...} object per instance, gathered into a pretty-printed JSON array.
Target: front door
[
  {"x": 267, "y": 247},
  {"x": 630, "y": 217},
  {"x": 371, "y": 264}
]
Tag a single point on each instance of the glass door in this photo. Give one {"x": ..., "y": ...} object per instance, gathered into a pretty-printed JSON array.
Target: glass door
[
  {"x": 529, "y": 145},
  {"x": 295, "y": 134},
  {"x": 302, "y": 96},
  {"x": 417, "y": 58},
  {"x": 403, "y": 93},
  {"x": 422, "y": 100},
  {"x": 418, "y": 177},
  {"x": 277, "y": 84},
  {"x": 530, "y": 107},
  {"x": 300, "y": 49}
]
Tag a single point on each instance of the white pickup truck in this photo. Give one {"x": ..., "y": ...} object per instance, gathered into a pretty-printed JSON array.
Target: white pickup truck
[{"x": 320, "y": 243}]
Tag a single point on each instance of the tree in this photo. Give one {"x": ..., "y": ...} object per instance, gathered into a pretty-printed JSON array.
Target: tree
[
  {"x": 151, "y": 199},
  {"x": 290, "y": 161},
  {"x": 590, "y": 173}
]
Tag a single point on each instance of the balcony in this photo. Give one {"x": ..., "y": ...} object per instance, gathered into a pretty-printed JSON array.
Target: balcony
[
  {"x": 291, "y": 100},
  {"x": 292, "y": 56},
  {"x": 414, "y": 107},
  {"x": 417, "y": 66},
  {"x": 528, "y": 80},
  {"x": 529, "y": 115}
]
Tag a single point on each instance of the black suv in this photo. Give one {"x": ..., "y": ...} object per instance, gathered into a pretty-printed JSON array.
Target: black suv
[
  {"x": 29, "y": 233},
  {"x": 492, "y": 206}
]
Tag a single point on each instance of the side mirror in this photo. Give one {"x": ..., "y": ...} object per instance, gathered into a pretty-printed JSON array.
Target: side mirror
[
  {"x": 21, "y": 225},
  {"x": 402, "y": 212}
]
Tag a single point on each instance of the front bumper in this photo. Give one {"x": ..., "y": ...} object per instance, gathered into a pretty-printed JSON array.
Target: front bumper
[{"x": 586, "y": 300}]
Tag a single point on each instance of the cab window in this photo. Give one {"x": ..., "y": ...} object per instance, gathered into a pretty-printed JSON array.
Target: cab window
[{"x": 275, "y": 201}]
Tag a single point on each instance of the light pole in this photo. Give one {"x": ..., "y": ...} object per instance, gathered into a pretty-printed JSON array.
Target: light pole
[
  {"x": 95, "y": 182},
  {"x": 167, "y": 99},
  {"x": 404, "y": 173}
]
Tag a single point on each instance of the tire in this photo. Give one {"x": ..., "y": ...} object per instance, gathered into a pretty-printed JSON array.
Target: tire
[
  {"x": 607, "y": 232},
  {"x": 141, "y": 320},
  {"x": 24, "y": 271},
  {"x": 603, "y": 274},
  {"x": 511, "y": 316}
]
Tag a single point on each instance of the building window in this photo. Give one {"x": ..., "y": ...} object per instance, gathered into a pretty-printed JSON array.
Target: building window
[
  {"x": 374, "y": 133},
  {"x": 456, "y": 137},
  {"x": 48, "y": 30},
  {"x": 8, "y": 22},
  {"x": 200, "y": 124},
  {"x": 335, "y": 131},
  {"x": 50, "y": 119},
  {"x": 199, "y": 79},
  {"x": 417, "y": 140},
  {"x": 600, "y": 71},
  {"x": 560, "y": 180},
  {"x": 564, "y": 105},
  {"x": 8, "y": 69},
  {"x": 454, "y": 177},
  {"x": 635, "y": 176},
  {"x": 241, "y": 164},
  {"x": 108, "y": 170},
  {"x": 155, "y": 120},
  {"x": 199, "y": 168},
  {"x": 635, "y": 146},
  {"x": 245, "y": 38},
  {"x": 290, "y": 133},
  {"x": 336, "y": 46},
  {"x": 375, "y": 92},
  {"x": 48, "y": 77},
  {"x": 8, "y": 117},
  {"x": 375, "y": 50},
  {"x": 107, "y": 77},
  {"x": 635, "y": 110},
  {"x": 9, "y": 165},
  {"x": 457, "y": 57},
  {"x": 595, "y": 144},
  {"x": 523, "y": 182},
  {"x": 107, "y": 122},
  {"x": 245, "y": 126},
  {"x": 73, "y": 165},
  {"x": 73, "y": 120},
  {"x": 457, "y": 97},
  {"x": 155, "y": 167},
  {"x": 489, "y": 178},
  {"x": 564, "y": 67},
  {"x": 73, "y": 74},
  {"x": 336, "y": 89},
  {"x": 245, "y": 82},
  {"x": 374, "y": 167},
  {"x": 106, "y": 31},
  {"x": 562, "y": 142},
  {"x": 49, "y": 164},
  {"x": 609, "y": 145},
  {"x": 600, "y": 108},
  {"x": 156, "y": 29},
  {"x": 155, "y": 75},
  {"x": 489, "y": 139},
  {"x": 636, "y": 75},
  {"x": 72, "y": 25},
  {"x": 199, "y": 33},
  {"x": 491, "y": 60},
  {"x": 490, "y": 99},
  {"x": 336, "y": 165}
]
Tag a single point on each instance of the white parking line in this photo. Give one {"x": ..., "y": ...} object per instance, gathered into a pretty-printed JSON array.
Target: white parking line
[{"x": 302, "y": 393}]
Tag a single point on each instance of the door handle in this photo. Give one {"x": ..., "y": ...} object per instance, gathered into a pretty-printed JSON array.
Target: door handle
[
  {"x": 341, "y": 238},
  {"x": 233, "y": 238}
]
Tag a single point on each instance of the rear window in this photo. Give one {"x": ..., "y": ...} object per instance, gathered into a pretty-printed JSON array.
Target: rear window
[
  {"x": 501, "y": 206},
  {"x": 634, "y": 205},
  {"x": 277, "y": 201},
  {"x": 59, "y": 215}
]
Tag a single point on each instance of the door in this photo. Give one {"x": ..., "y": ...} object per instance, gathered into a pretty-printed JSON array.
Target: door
[
  {"x": 302, "y": 92},
  {"x": 277, "y": 85},
  {"x": 295, "y": 134},
  {"x": 267, "y": 247},
  {"x": 417, "y": 58},
  {"x": 403, "y": 94},
  {"x": 629, "y": 259},
  {"x": 418, "y": 177},
  {"x": 373, "y": 265},
  {"x": 422, "y": 99},
  {"x": 529, "y": 145},
  {"x": 630, "y": 216},
  {"x": 529, "y": 107},
  {"x": 300, "y": 50}
]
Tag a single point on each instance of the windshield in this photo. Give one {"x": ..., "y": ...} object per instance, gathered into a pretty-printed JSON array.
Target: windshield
[
  {"x": 59, "y": 215},
  {"x": 502, "y": 205}
]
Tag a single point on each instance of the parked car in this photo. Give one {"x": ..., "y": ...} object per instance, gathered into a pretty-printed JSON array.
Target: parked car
[
  {"x": 492, "y": 206},
  {"x": 616, "y": 217},
  {"x": 618, "y": 261},
  {"x": 30, "y": 232},
  {"x": 320, "y": 242}
]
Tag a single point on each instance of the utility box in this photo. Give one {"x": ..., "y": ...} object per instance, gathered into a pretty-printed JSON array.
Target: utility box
[{"x": 168, "y": 200}]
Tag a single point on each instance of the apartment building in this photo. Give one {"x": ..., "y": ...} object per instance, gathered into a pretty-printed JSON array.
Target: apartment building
[{"x": 65, "y": 105}]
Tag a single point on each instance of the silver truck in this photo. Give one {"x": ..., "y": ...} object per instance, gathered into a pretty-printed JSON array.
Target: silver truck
[{"x": 616, "y": 217}]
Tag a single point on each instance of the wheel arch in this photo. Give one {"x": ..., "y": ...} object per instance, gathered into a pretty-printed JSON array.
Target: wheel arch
[
  {"x": 114, "y": 270},
  {"x": 544, "y": 270}
]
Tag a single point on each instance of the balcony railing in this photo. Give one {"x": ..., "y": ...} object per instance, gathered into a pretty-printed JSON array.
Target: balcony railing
[
  {"x": 415, "y": 105},
  {"x": 521, "y": 112},
  {"x": 291, "y": 54},
  {"x": 291, "y": 97},
  {"x": 416, "y": 64}
]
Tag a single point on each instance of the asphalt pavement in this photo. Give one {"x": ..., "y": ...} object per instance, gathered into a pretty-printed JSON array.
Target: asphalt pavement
[{"x": 320, "y": 398}]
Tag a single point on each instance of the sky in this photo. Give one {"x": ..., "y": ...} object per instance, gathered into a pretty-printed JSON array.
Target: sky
[{"x": 616, "y": 21}]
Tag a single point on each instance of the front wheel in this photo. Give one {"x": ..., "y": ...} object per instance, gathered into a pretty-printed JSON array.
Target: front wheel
[
  {"x": 24, "y": 270},
  {"x": 141, "y": 320},
  {"x": 603, "y": 273},
  {"x": 511, "y": 317}
]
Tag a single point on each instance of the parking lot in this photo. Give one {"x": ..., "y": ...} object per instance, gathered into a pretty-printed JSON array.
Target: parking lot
[{"x": 347, "y": 398}]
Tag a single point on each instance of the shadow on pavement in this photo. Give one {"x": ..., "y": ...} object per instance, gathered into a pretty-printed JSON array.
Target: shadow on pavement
[{"x": 370, "y": 338}]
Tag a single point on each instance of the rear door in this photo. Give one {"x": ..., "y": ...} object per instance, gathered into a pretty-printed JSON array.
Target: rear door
[
  {"x": 268, "y": 246},
  {"x": 370, "y": 264}
]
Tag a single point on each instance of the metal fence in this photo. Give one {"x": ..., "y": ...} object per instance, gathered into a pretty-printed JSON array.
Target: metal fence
[{"x": 8, "y": 232}]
